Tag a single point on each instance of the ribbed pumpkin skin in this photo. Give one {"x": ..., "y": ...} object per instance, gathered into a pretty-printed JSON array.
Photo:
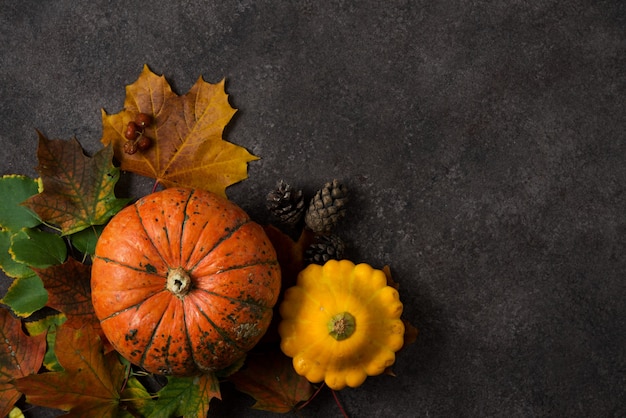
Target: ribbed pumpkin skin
[{"x": 235, "y": 282}]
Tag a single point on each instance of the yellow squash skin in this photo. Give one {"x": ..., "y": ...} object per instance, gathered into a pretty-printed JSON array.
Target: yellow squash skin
[{"x": 321, "y": 294}]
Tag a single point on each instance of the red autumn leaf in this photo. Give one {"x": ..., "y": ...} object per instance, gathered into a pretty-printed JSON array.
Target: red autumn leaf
[
  {"x": 69, "y": 291},
  {"x": 271, "y": 380},
  {"x": 186, "y": 135},
  {"x": 89, "y": 385},
  {"x": 20, "y": 355},
  {"x": 290, "y": 256},
  {"x": 78, "y": 191},
  {"x": 290, "y": 253}
]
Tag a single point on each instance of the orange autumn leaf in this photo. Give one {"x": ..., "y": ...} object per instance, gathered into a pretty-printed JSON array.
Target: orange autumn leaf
[
  {"x": 186, "y": 133},
  {"x": 20, "y": 355},
  {"x": 89, "y": 385},
  {"x": 69, "y": 291}
]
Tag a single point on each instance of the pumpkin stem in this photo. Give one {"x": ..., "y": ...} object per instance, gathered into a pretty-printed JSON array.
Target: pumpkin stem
[
  {"x": 341, "y": 326},
  {"x": 178, "y": 282}
]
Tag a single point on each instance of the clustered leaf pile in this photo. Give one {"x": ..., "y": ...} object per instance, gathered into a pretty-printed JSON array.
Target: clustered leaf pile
[{"x": 48, "y": 230}]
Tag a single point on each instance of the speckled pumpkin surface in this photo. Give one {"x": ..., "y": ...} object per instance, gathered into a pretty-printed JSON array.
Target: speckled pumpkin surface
[{"x": 184, "y": 282}]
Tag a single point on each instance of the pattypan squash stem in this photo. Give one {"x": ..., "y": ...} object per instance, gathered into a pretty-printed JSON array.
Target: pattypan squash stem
[{"x": 341, "y": 326}]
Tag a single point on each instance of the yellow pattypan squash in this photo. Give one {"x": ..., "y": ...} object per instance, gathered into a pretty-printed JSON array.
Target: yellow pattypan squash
[{"x": 341, "y": 323}]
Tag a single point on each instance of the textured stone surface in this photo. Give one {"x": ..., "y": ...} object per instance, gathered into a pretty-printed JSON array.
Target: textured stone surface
[{"x": 483, "y": 143}]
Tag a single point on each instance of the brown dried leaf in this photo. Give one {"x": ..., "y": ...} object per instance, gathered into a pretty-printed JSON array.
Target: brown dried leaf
[
  {"x": 271, "y": 380},
  {"x": 69, "y": 291}
]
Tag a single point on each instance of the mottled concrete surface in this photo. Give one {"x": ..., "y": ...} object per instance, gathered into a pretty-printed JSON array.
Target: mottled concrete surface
[{"x": 483, "y": 143}]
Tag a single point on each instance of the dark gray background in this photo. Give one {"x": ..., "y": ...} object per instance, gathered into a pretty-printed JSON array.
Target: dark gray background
[{"x": 483, "y": 143}]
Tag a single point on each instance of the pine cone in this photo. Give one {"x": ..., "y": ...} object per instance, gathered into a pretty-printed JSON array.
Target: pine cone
[
  {"x": 327, "y": 207},
  {"x": 286, "y": 204},
  {"x": 324, "y": 248}
]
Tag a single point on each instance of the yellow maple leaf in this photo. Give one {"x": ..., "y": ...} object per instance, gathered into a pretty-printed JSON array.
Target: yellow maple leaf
[{"x": 186, "y": 132}]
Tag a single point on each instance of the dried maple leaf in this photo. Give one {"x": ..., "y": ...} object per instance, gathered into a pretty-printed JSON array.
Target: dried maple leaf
[
  {"x": 20, "y": 355},
  {"x": 271, "y": 380},
  {"x": 69, "y": 291},
  {"x": 186, "y": 132},
  {"x": 90, "y": 383},
  {"x": 77, "y": 190}
]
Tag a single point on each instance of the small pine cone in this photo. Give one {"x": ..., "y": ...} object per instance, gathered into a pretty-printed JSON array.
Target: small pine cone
[
  {"x": 324, "y": 248},
  {"x": 286, "y": 204},
  {"x": 327, "y": 207}
]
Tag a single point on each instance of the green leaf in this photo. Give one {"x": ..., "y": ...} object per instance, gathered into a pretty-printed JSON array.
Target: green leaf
[
  {"x": 37, "y": 248},
  {"x": 14, "y": 190},
  {"x": 137, "y": 396},
  {"x": 11, "y": 267},
  {"x": 26, "y": 295},
  {"x": 85, "y": 240},
  {"x": 186, "y": 396},
  {"x": 78, "y": 191}
]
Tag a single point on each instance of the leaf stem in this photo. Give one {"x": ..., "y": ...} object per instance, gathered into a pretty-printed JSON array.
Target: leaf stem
[
  {"x": 308, "y": 401},
  {"x": 143, "y": 398},
  {"x": 343, "y": 411}
]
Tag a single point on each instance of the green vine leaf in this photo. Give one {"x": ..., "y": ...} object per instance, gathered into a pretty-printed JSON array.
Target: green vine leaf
[
  {"x": 14, "y": 189},
  {"x": 78, "y": 191},
  {"x": 26, "y": 295},
  {"x": 85, "y": 240},
  {"x": 11, "y": 267},
  {"x": 38, "y": 249}
]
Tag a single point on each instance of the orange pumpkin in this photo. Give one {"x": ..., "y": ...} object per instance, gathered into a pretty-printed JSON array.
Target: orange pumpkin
[{"x": 183, "y": 282}]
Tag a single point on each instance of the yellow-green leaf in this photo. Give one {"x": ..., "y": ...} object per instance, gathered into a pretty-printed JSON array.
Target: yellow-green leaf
[
  {"x": 78, "y": 191},
  {"x": 11, "y": 267},
  {"x": 49, "y": 325}
]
